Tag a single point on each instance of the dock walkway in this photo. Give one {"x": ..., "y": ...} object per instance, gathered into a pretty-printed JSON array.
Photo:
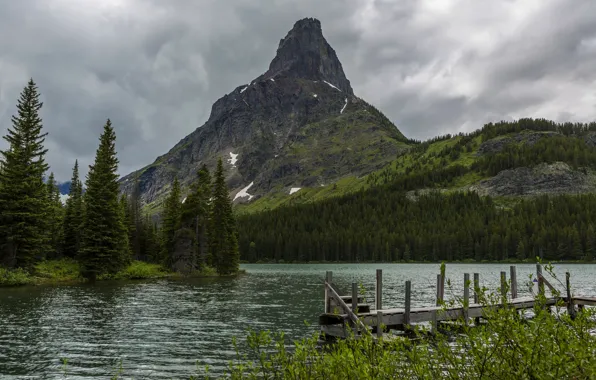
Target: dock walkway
[{"x": 341, "y": 315}]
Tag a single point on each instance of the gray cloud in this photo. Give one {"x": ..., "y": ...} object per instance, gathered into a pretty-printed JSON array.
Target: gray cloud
[{"x": 155, "y": 67}]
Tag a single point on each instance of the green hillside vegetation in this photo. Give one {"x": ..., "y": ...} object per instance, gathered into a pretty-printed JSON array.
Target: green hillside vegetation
[{"x": 376, "y": 219}]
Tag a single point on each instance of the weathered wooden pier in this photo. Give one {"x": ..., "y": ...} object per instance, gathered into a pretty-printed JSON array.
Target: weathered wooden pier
[{"x": 350, "y": 315}]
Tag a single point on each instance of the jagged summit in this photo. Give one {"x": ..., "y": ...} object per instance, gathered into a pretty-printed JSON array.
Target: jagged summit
[{"x": 304, "y": 53}]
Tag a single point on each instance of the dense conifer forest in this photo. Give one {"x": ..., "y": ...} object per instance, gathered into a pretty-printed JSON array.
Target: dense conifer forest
[
  {"x": 386, "y": 222},
  {"x": 101, "y": 230}
]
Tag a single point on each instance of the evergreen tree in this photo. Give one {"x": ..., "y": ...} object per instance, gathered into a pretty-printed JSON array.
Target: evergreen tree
[
  {"x": 223, "y": 234},
  {"x": 23, "y": 198},
  {"x": 171, "y": 222},
  {"x": 73, "y": 215},
  {"x": 104, "y": 240},
  {"x": 55, "y": 218}
]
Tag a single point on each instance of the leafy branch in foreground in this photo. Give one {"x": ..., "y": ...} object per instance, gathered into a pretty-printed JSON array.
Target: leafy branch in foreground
[{"x": 539, "y": 344}]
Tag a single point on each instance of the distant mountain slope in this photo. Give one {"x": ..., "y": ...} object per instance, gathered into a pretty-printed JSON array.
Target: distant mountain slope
[
  {"x": 525, "y": 158},
  {"x": 299, "y": 125}
]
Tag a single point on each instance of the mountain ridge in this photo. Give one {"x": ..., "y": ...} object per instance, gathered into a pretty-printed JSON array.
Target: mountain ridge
[{"x": 297, "y": 125}]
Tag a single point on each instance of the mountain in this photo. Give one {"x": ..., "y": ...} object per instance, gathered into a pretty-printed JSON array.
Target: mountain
[
  {"x": 298, "y": 125},
  {"x": 511, "y": 190}
]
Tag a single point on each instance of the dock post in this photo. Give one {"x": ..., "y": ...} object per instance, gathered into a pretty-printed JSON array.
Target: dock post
[
  {"x": 513, "y": 275},
  {"x": 328, "y": 277},
  {"x": 355, "y": 304},
  {"x": 540, "y": 280},
  {"x": 433, "y": 322},
  {"x": 476, "y": 296},
  {"x": 439, "y": 299},
  {"x": 504, "y": 286},
  {"x": 379, "y": 324},
  {"x": 570, "y": 307},
  {"x": 466, "y": 296},
  {"x": 379, "y": 290},
  {"x": 408, "y": 304}
]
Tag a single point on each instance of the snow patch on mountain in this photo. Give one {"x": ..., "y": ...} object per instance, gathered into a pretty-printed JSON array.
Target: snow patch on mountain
[
  {"x": 233, "y": 159},
  {"x": 332, "y": 85},
  {"x": 294, "y": 190},
  {"x": 244, "y": 192},
  {"x": 344, "y": 107}
]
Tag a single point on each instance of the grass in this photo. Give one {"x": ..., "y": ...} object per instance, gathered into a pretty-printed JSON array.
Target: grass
[{"x": 69, "y": 271}]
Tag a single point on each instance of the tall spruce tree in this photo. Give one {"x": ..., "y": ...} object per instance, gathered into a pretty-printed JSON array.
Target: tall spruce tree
[
  {"x": 23, "y": 198},
  {"x": 196, "y": 212},
  {"x": 55, "y": 209},
  {"x": 171, "y": 222},
  {"x": 104, "y": 247},
  {"x": 223, "y": 234},
  {"x": 73, "y": 215}
]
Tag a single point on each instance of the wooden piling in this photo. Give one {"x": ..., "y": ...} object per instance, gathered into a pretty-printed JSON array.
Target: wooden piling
[
  {"x": 513, "y": 275},
  {"x": 504, "y": 285},
  {"x": 379, "y": 290},
  {"x": 438, "y": 303},
  {"x": 476, "y": 294},
  {"x": 466, "y": 296},
  {"x": 408, "y": 303},
  {"x": 379, "y": 324},
  {"x": 328, "y": 278},
  {"x": 570, "y": 307},
  {"x": 355, "y": 304},
  {"x": 540, "y": 279}
]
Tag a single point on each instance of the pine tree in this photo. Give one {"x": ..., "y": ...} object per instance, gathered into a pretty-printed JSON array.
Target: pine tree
[
  {"x": 171, "y": 222},
  {"x": 23, "y": 199},
  {"x": 223, "y": 235},
  {"x": 55, "y": 209},
  {"x": 104, "y": 240},
  {"x": 73, "y": 215}
]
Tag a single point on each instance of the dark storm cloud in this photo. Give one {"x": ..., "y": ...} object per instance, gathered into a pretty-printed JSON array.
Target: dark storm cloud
[{"x": 155, "y": 67}]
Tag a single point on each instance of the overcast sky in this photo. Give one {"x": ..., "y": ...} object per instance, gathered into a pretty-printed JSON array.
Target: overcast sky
[{"x": 156, "y": 66}]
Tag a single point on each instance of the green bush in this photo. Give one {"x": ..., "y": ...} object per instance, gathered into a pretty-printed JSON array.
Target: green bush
[
  {"x": 15, "y": 277},
  {"x": 65, "y": 269},
  {"x": 141, "y": 270},
  {"x": 550, "y": 345}
]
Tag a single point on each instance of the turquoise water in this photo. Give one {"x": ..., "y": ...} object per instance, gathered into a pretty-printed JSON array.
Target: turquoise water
[{"x": 164, "y": 329}]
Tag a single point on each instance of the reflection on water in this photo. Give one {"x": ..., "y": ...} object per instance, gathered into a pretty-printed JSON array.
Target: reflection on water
[{"x": 163, "y": 329}]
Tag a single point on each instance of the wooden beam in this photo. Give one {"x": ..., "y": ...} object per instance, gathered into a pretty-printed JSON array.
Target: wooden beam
[
  {"x": 379, "y": 324},
  {"x": 570, "y": 307},
  {"x": 504, "y": 286},
  {"x": 476, "y": 294},
  {"x": 540, "y": 279},
  {"x": 513, "y": 275},
  {"x": 328, "y": 278},
  {"x": 466, "y": 296},
  {"x": 353, "y": 317},
  {"x": 379, "y": 290},
  {"x": 408, "y": 303},
  {"x": 439, "y": 281}
]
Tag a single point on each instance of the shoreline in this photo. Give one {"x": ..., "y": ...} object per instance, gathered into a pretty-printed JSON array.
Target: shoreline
[{"x": 67, "y": 272}]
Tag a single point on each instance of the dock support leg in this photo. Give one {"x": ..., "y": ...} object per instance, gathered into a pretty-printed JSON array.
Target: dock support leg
[
  {"x": 466, "y": 296},
  {"x": 355, "y": 304},
  {"x": 408, "y": 304},
  {"x": 570, "y": 307},
  {"x": 476, "y": 294},
  {"x": 379, "y": 290},
  {"x": 504, "y": 287},
  {"x": 513, "y": 275},
  {"x": 328, "y": 277},
  {"x": 379, "y": 324},
  {"x": 439, "y": 283}
]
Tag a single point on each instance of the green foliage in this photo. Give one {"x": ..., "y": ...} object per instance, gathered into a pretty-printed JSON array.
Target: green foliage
[
  {"x": 223, "y": 234},
  {"x": 15, "y": 277},
  {"x": 435, "y": 226},
  {"x": 23, "y": 195},
  {"x": 141, "y": 270},
  {"x": 507, "y": 346},
  {"x": 55, "y": 217},
  {"x": 171, "y": 222},
  {"x": 73, "y": 215},
  {"x": 65, "y": 269},
  {"x": 104, "y": 242}
]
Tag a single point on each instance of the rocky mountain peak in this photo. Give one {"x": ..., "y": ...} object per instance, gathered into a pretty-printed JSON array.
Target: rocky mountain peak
[{"x": 304, "y": 53}]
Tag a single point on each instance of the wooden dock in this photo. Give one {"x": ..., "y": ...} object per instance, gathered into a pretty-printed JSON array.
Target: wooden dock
[{"x": 343, "y": 318}]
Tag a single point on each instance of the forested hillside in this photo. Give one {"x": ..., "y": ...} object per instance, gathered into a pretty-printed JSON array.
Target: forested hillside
[{"x": 393, "y": 216}]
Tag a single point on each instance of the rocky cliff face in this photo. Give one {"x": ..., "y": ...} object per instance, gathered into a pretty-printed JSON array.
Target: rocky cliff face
[{"x": 297, "y": 125}]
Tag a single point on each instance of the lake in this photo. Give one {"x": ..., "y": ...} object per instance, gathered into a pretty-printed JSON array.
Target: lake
[{"x": 163, "y": 329}]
